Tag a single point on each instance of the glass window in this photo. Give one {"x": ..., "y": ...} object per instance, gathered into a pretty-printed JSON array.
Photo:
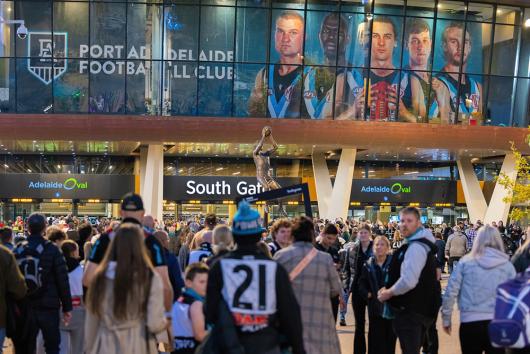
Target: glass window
[
  {"x": 383, "y": 88},
  {"x": 350, "y": 93},
  {"x": 454, "y": 10},
  {"x": 284, "y": 91},
  {"x": 70, "y": 90},
  {"x": 287, "y": 36},
  {"x": 418, "y": 44},
  {"x": 420, "y": 8},
  {"x": 181, "y": 32},
  {"x": 318, "y": 92},
  {"x": 451, "y": 97},
  {"x": 480, "y": 12},
  {"x": 37, "y": 18},
  {"x": 219, "y": 2},
  {"x": 107, "y": 86},
  {"x": 499, "y": 104},
  {"x": 254, "y": 3},
  {"x": 323, "y": 5},
  {"x": 143, "y": 89},
  {"x": 247, "y": 82},
  {"x": 358, "y": 43},
  {"x": 520, "y": 114},
  {"x": 288, "y": 4},
  {"x": 217, "y": 34},
  {"x": 32, "y": 94},
  {"x": 504, "y": 50},
  {"x": 477, "y": 60},
  {"x": 71, "y": 18},
  {"x": 252, "y": 41},
  {"x": 389, "y": 7},
  {"x": 107, "y": 31},
  {"x": 144, "y": 32},
  {"x": 331, "y": 42},
  {"x": 386, "y": 42},
  {"x": 180, "y": 88},
  {"x": 508, "y": 15},
  {"x": 215, "y": 88},
  {"x": 448, "y": 45},
  {"x": 417, "y": 98},
  {"x": 7, "y": 85},
  {"x": 360, "y": 6},
  {"x": 7, "y": 33}
]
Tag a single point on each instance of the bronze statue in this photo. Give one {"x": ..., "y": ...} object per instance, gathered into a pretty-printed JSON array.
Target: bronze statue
[{"x": 262, "y": 160}]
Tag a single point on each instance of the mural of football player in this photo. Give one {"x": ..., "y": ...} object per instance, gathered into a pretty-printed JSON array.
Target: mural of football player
[
  {"x": 417, "y": 94},
  {"x": 457, "y": 50},
  {"x": 277, "y": 88},
  {"x": 349, "y": 96},
  {"x": 319, "y": 82}
]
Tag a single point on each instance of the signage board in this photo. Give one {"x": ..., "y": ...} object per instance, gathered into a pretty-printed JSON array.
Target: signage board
[
  {"x": 403, "y": 191},
  {"x": 65, "y": 186}
]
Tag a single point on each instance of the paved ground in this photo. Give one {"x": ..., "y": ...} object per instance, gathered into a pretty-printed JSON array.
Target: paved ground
[{"x": 448, "y": 344}]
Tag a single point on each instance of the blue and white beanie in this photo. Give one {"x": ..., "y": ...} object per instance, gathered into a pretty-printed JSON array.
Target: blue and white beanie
[{"x": 247, "y": 221}]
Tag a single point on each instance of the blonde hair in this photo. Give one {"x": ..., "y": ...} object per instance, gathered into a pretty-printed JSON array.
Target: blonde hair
[
  {"x": 397, "y": 236},
  {"x": 384, "y": 239},
  {"x": 487, "y": 236},
  {"x": 222, "y": 239}
]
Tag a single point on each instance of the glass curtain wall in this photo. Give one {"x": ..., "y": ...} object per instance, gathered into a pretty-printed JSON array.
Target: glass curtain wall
[{"x": 439, "y": 62}]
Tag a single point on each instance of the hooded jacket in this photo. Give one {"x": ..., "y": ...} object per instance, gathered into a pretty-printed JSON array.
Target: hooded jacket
[{"x": 474, "y": 283}]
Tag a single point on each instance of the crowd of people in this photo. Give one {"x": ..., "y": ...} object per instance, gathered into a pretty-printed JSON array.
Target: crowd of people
[{"x": 136, "y": 285}]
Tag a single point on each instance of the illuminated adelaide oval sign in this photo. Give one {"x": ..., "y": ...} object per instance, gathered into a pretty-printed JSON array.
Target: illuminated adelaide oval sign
[
  {"x": 395, "y": 188},
  {"x": 69, "y": 184}
]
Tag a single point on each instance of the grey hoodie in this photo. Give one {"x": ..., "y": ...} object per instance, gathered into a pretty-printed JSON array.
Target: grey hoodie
[{"x": 474, "y": 283}]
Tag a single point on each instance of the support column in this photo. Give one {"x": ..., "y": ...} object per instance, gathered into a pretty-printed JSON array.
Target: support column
[
  {"x": 152, "y": 179},
  {"x": 333, "y": 201},
  {"x": 476, "y": 203},
  {"x": 295, "y": 169},
  {"x": 498, "y": 209}
]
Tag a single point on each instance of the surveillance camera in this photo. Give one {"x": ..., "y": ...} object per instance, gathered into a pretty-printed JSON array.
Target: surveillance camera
[{"x": 22, "y": 32}]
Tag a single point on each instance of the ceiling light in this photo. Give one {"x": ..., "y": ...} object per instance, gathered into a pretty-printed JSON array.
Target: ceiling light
[
  {"x": 6, "y": 166},
  {"x": 69, "y": 171},
  {"x": 411, "y": 173},
  {"x": 236, "y": 173},
  {"x": 527, "y": 22},
  {"x": 219, "y": 168},
  {"x": 110, "y": 167},
  {"x": 92, "y": 169},
  {"x": 181, "y": 170},
  {"x": 29, "y": 170}
]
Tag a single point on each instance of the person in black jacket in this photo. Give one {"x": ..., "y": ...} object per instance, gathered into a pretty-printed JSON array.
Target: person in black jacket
[
  {"x": 54, "y": 293},
  {"x": 256, "y": 290},
  {"x": 355, "y": 259},
  {"x": 381, "y": 337}
]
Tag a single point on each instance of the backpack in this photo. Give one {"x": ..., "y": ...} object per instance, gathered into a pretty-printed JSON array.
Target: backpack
[
  {"x": 510, "y": 326},
  {"x": 29, "y": 263}
]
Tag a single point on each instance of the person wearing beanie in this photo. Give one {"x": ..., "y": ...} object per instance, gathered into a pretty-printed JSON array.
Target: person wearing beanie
[{"x": 256, "y": 290}]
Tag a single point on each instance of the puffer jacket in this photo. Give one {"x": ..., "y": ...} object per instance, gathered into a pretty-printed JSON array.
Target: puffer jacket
[
  {"x": 474, "y": 283},
  {"x": 456, "y": 245}
]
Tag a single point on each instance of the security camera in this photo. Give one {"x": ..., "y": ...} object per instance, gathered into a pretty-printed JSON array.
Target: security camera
[{"x": 22, "y": 31}]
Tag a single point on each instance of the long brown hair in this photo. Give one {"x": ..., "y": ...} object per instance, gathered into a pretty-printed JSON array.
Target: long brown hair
[{"x": 132, "y": 279}]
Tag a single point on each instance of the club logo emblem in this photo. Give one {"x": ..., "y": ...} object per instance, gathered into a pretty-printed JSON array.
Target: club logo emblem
[{"x": 47, "y": 55}]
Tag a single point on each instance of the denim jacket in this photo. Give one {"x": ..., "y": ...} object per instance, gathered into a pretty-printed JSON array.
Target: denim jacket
[{"x": 474, "y": 283}]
